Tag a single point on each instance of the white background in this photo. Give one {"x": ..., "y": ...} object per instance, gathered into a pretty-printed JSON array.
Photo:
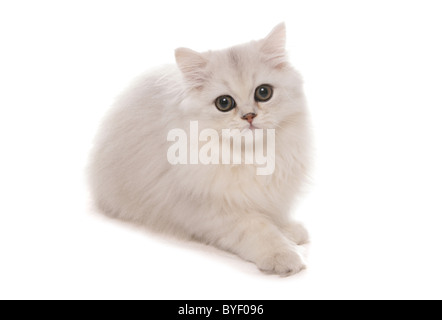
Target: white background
[{"x": 373, "y": 78}]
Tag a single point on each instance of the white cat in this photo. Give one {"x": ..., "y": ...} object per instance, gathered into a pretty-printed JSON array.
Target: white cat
[{"x": 244, "y": 87}]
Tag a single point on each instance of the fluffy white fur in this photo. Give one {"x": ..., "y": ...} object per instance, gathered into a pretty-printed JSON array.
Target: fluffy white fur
[{"x": 228, "y": 206}]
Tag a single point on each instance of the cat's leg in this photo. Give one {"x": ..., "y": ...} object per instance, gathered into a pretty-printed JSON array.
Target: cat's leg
[
  {"x": 255, "y": 238},
  {"x": 295, "y": 231}
]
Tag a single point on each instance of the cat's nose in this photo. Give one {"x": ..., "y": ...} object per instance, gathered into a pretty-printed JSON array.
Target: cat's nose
[{"x": 249, "y": 116}]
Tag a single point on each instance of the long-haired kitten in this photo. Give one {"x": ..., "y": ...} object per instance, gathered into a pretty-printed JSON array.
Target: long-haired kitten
[{"x": 165, "y": 156}]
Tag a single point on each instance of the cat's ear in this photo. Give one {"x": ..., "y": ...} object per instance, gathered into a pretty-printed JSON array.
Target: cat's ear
[
  {"x": 273, "y": 47},
  {"x": 192, "y": 64}
]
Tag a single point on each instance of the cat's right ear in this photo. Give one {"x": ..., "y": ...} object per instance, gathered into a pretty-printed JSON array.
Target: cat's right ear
[
  {"x": 192, "y": 65},
  {"x": 273, "y": 47}
]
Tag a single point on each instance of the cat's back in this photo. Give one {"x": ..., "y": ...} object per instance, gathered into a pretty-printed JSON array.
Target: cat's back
[
  {"x": 143, "y": 107},
  {"x": 129, "y": 145},
  {"x": 153, "y": 91}
]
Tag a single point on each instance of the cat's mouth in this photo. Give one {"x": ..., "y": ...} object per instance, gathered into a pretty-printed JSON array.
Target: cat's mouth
[{"x": 251, "y": 127}]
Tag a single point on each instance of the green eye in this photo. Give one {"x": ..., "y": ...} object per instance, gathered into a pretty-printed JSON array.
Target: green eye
[
  {"x": 263, "y": 93},
  {"x": 225, "y": 103}
]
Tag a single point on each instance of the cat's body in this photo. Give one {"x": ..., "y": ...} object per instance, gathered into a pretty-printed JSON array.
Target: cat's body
[{"x": 229, "y": 206}]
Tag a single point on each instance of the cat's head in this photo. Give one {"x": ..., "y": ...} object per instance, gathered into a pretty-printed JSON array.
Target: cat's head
[{"x": 246, "y": 85}]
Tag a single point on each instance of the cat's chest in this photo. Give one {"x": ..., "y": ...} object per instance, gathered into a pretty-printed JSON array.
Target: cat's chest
[{"x": 244, "y": 186}]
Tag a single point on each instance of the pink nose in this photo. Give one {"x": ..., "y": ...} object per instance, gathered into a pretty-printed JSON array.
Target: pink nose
[{"x": 249, "y": 117}]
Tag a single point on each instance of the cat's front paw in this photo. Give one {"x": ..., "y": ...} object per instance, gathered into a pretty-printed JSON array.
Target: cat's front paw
[
  {"x": 297, "y": 233},
  {"x": 284, "y": 263}
]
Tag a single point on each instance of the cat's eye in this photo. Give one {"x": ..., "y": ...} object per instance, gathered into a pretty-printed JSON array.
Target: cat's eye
[
  {"x": 263, "y": 93},
  {"x": 225, "y": 103}
]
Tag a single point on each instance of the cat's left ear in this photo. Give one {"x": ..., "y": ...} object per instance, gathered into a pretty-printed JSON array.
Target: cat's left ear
[
  {"x": 192, "y": 65},
  {"x": 273, "y": 47}
]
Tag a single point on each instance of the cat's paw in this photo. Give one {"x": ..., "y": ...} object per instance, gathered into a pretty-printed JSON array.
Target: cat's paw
[
  {"x": 297, "y": 233},
  {"x": 283, "y": 263}
]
